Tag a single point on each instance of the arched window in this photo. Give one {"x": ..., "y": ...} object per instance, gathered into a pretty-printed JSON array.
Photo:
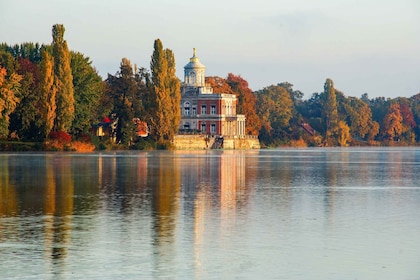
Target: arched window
[
  {"x": 186, "y": 108},
  {"x": 192, "y": 78}
]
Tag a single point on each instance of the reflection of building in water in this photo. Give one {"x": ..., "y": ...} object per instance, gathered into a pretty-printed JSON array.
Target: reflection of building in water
[{"x": 219, "y": 181}]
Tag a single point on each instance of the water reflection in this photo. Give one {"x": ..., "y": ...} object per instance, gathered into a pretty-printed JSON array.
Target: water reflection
[{"x": 197, "y": 214}]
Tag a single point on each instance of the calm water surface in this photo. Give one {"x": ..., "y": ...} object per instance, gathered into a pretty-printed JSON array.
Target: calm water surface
[{"x": 268, "y": 214}]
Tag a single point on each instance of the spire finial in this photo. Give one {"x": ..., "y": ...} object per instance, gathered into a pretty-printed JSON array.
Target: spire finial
[{"x": 194, "y": 52}]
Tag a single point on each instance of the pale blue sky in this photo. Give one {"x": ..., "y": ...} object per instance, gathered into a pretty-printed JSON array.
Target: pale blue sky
[{"x": 368, "y": 46}]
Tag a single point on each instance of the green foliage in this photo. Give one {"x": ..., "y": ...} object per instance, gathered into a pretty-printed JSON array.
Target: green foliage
[
  {"x": 144, "y": 144},
  {"x": 25, "y": 118},
  {"x": 125, "y": 91},
  {"x": 88, "y": 89},
  {"x": 275, "y": 110}
]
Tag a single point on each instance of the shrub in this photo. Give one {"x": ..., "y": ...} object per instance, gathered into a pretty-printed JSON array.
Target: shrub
[{"x": 60, "y": 136}]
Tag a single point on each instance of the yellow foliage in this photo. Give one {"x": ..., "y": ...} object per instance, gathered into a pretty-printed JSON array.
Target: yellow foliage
[
  {"x": 343, "y": 133},
  {"x": 298, "y": 143}
]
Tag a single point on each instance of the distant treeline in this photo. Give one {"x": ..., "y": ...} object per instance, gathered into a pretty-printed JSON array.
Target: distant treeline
[{"x": 49, "y": 94}]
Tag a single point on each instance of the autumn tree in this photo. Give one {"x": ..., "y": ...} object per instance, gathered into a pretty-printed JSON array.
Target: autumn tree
[
  {"x": 373, "y": 131},
  {"x": 358, "y": 115},
  {"x": 47, "y": 93},
  {"x": 25, "y": 119},
  {"x": 219, "y": 84},
  {"x": 9, "y": 98},
  {"x": 63, "y": 80},
  {"x": 298, "y": 110},
  {"x": 174, "y": 87},
  {"x": 247, "y": 103},
  {"x": 274, "y": 107},
  {"x": 330, "y": 112},
  {"x": 343, "y": 133},
  {"x": 392, "y": 126},
  {"x": 164, "y": 95}
]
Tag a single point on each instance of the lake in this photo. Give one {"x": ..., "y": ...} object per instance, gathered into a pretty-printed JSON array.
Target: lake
[{"x": 321, "y": 213}]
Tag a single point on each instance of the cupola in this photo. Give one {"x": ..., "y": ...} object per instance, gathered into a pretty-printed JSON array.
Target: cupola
[{"x": 194, "y": 72}]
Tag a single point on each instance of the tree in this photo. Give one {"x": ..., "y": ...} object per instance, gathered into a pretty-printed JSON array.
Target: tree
[
  {"x": 392, "y": 126},
  {"x": 88, "y": 88},
  {"x": 174, "y": 87},
  {"x": 122, "y": 90},
  {"x": 47, "y": 92},
  {"x": 359, "y": 116},
  {"x": 25, "y": 119},
  {"x": 9, "y": 98},
  {"x": 343, "y": 133},
  {"x": 63, "y": 80},
  {"x": 275, "y": 111},
  {"x": 373, "y": 130},
  {"x": 164, "y": 95},
  {"x": 219, "y": 84},
  {"x": 246, "y": 103},
  {"x": 330, "y": 112}
]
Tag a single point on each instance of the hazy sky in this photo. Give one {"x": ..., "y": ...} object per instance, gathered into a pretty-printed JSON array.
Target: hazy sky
[{"x": 368, "y": 46}]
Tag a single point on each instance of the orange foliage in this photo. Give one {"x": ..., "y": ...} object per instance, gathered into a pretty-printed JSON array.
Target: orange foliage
[
  {"x": 79, "y": 146},
  {"x": 246, "y": 103},
  {"x": 219, "y": 85},
  {"x": 298, "y": 143}
]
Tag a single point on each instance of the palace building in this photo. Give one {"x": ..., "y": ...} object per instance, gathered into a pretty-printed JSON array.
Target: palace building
[{"x": 205, "y": 111}]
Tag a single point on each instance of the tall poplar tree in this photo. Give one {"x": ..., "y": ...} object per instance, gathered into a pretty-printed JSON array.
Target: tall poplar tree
[
  {"x": 174, "y": 93},
  {"x": 47, "y": 93},
  {"x": 164, "y": 100},
  {"x": 330, "y": 111},
  {"x": 63, "y": 80}
]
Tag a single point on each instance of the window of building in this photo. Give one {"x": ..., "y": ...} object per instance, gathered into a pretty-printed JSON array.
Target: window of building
[
  {"x": 203, "y": 109},
  {"x": 187, "y": 108},
  {"x": 203, "y": 127},
  {"x": 194, "y": 111},
  {"x": 213, "y": 128},
  {"x": 213, "y": 110}
]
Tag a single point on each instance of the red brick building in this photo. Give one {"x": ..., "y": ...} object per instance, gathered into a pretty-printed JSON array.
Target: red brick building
[{"x": 204, "y": 111}]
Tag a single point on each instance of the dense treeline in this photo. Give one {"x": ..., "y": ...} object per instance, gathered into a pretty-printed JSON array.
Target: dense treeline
[{"x": 51, "y": 95}]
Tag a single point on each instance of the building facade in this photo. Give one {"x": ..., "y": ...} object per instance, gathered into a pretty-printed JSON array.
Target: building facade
[{"x": 204, "y": 111}]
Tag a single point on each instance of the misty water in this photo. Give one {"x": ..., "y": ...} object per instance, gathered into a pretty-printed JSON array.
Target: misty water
[{"x": 262, "y": 214}]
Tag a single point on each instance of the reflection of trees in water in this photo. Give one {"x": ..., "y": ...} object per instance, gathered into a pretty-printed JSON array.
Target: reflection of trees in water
[
  {"x": 40, "y": 189},
  {"x": 8, "y": 195},
  {"x": 59, "y": 204},
  {"x": 165, "y": 185}
]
